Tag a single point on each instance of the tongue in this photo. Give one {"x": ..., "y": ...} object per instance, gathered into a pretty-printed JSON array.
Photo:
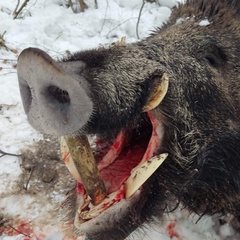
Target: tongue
[{"x": 116, "y": 173}]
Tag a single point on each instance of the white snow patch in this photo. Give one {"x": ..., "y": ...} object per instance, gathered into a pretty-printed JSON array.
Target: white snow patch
[
  {"x": 180, "y": 20},
  {"x": 169, "y": 3},
  {"x": 129, "y": 4},
  {"x": 204, "y": 22},
  {"x": 18, "y": 237},
  {"x": 226, "y": 230},
  {"x": 9, "y": 173}
]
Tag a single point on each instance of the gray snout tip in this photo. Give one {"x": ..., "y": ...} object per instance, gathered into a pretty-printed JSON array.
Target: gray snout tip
[{"x": 55, "y": 99}]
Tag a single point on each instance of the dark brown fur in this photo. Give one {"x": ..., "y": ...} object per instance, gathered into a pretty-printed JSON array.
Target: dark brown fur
[{"x": 201, "y": 111}]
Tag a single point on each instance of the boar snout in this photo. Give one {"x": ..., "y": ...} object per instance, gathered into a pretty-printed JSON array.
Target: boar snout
[{"x": 54, "y": 98}]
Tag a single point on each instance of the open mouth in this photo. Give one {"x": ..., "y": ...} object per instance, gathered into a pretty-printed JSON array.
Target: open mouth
[
  {"x": 111, "y": 172},
  {"x": 120, "y": 167}
]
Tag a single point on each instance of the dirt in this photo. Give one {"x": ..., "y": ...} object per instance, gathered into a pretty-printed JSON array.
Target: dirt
[{"x": 39, "y": 192}]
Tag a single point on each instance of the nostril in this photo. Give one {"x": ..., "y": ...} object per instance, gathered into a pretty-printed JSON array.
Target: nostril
[
  {"x": 29, "y": 94},
  {"x": 59, "y": 95},
  {"x": 27, "y": 98}
]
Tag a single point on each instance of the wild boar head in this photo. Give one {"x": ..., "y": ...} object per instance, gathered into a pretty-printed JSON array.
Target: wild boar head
[{"x": 175, "y": 92}]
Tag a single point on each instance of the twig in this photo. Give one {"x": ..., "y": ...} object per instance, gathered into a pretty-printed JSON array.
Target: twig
[
  {"x": 96, "y": 4},
  {"x": 19, "y": 231},
  {"x": 9, "y": 154},
  {"x": 105, "y": 17},
  {"x": 119, "y": 26},
  {"x": 16, "y": 12},
  {"x": 28, "y": 180},
  {"x": 8, "y": 59},
  {"x": 5, "y": 68},
  {"x": 71, "y": 5},
  {"x": 2, "y": 40},
  {"x": 83, "y": 5},
  {"x": 5, "y": 10},
  {"x": 4, "y": 74},
  {"x": 139, "y": 16}
]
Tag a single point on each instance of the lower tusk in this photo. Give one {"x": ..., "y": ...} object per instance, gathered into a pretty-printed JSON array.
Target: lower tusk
[
  {"x": 142, "y": 173},
  {"x": 80, "y": 161}
]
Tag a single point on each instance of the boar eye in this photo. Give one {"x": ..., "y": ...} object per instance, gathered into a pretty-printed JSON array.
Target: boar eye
[
  {"x": 211, "y": 60},
  {"x": 216, "y": 56}
]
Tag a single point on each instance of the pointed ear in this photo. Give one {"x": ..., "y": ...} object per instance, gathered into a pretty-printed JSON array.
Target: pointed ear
[{"x": 158, "y": 94}]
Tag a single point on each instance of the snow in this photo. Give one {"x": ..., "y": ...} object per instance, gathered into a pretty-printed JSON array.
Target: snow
[
  {"x": 49, "y": 25},
  {"x": 9, "y": 169},
  {"x": 168, "y": 3},
  {"x": 204, "y": 22}
]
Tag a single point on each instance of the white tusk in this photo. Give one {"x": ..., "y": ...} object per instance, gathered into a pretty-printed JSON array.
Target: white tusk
[
  {"x": 67, "y": 158},
  {"x": 83, "y": 166},
  {"x": 142, "y": 173},
  {"x": 158, "y": 94}
]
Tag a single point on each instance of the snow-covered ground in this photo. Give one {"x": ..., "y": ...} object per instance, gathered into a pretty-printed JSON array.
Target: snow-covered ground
[{"x": 49, "y": 25}]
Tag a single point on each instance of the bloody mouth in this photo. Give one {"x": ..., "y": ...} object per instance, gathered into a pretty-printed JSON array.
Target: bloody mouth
[{"x": 118, "y": 162}]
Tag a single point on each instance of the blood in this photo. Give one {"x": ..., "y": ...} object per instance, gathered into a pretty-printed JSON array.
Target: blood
[
  {"x": 119, "y": 196},
  {"x": 114, "y": 150},
  {"x": 154, "y": 141},
  {"x": 171, "y": 230},
  {"x": 80, "y": 188},
  {"x": 66, "y": 157},
  {"x": 125, "y": 154},
  {"x": 28, "y": 230},
  {"x": 118, "y": 172},
  {"x": 117, "y": 158},
  {"x": 23, "y": 227}
]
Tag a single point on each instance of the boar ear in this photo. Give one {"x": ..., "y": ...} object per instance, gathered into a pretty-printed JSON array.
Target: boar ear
[{"x": 158, "y": 93}]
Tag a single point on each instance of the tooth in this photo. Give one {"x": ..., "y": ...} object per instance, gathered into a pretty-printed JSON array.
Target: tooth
[
  {"x": 142, "y": 173},
  {"x": 80, "y": 161},
  {"x": 67, "y": 158},
  {"x": 158, "y": 94},
  {"x": 87, "y": 211}
]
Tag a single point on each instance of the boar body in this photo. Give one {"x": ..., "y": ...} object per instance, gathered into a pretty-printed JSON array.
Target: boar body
[{"x": 105, "y": 91}]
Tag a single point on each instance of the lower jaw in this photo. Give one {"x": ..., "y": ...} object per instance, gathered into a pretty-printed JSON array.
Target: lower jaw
[{"x": 111, "y": 218}]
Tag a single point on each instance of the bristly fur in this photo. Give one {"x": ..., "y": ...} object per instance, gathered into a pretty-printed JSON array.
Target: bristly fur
[
  {"x": 204, "y": 138},
  {"x": 213, "y": 11},
  {"x": 200, "y": 112}
]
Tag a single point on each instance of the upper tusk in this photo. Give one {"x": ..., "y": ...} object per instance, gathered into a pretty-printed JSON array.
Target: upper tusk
[{"x": 158, "y": 94}]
